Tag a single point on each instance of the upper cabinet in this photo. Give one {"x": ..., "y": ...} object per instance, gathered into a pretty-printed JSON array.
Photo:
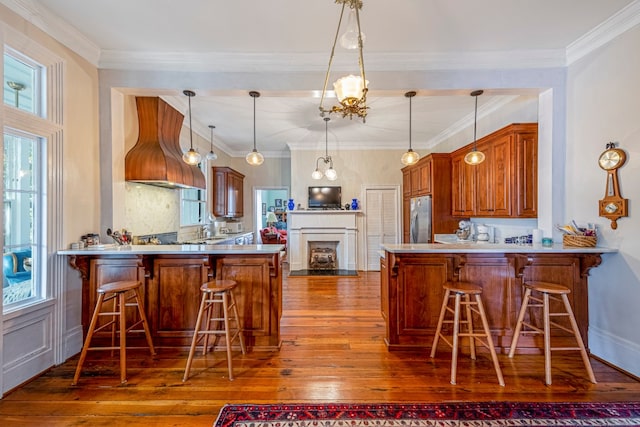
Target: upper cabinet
[
  {"x": 227, "y": 193},
  {"x": 430, "y": 176},
  {"x": 504, "y": 185}
]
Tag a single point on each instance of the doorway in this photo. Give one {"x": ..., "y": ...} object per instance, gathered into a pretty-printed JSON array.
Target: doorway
[
  {"x": 269, "y": 199},
  {"x": 382, "y": 214}
]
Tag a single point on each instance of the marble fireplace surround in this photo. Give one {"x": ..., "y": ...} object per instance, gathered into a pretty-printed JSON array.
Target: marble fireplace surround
[{"x": 321, "y": 226}]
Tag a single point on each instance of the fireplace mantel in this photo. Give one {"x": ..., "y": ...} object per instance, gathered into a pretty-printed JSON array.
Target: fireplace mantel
[{"x": 322, "y": 225}]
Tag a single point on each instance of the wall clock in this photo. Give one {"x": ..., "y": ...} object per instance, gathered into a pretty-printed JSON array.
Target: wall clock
[{"x": 612, "y": 206}]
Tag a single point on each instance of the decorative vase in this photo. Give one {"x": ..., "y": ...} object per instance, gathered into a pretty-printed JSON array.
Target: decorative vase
[
  {"x": 291, "y": 206},
  {"x": 354, "y": 204}
]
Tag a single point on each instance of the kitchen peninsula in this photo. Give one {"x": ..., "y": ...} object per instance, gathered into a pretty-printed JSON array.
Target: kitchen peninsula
[
  {"x": 412, "y": 276},
  {"x": 172, "y": 276}
]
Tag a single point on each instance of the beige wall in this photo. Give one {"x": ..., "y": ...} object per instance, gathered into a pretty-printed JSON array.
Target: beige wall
[
  {"x": 81, "y": 200},
  {"x": 603, "y": 104}
]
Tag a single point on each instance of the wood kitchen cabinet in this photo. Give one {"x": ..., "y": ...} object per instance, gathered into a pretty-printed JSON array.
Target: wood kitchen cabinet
[
  {"x": 504, "y": 185},
  {"x": 463, "y": 185},
  {"x": 431, "y": 176},
  {"x": 227, "y": 192}
]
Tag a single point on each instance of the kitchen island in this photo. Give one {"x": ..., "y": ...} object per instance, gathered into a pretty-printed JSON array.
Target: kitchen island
[
  {"x": 172, "y": 276},
  {"x": 412, "y": 276}
]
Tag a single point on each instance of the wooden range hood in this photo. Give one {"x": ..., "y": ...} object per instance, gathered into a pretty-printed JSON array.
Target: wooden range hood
[{"x": 156, "y": 159}]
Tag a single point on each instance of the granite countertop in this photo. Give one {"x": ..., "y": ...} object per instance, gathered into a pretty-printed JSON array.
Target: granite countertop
[
  {"x": 480, "y": 248},
  {"x": 213, "y": 249}
]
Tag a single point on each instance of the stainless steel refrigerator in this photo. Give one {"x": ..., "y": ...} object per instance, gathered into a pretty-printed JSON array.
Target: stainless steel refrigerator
[{"x": 420, "y": 226}]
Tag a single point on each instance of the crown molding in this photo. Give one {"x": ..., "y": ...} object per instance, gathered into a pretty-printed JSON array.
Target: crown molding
[
  {"x": 490, "y": 107},
  {"x": 619, "y": 23},
  {"x": 55, "y": 27}
]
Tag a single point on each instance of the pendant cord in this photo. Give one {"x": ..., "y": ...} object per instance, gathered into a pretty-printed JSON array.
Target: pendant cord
[
  {"x": 475, "y": 124},
  {"x": 410, "y": 122},
  {"x": 190, "y": 126},
  {"x": 254, "y": 123}
]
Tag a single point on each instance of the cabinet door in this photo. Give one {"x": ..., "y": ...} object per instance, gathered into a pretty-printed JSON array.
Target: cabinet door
[
  {"x": 174, "y": 296},
  {"x": 219, "y": 191},
  {"x": 462, "y": 188},
  {"x": 493, "y": 178},
  {"x": 425, "y": 178},
  {"x": 406, "y": 219},
  {"x": 526, "y": 174},
  {"x": 406, "y": 182},
  {"x": 235, "y": 206}
]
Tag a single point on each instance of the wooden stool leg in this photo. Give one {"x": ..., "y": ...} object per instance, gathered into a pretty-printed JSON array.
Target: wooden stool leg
[
  {"x": 227, "y": 333},
  {"x": 485, "y": 325},
  {"x": 207, "y": 323},
  {"x": 194, "y": 340},
  {"x": 456, "y": 331},
  {"x": 547, "y": 339},
  {"x": 576, "y": 332},
  {"x": 516, "y": 332},
  {"x": 443, "y": 311},
  {"x": 123, "y": 337},
  {"x": 472, "y": 343},
  {"x": 237, "y": 318},
  {"x": 87, "y": 341},
  {"x": 145, "y": 322}
]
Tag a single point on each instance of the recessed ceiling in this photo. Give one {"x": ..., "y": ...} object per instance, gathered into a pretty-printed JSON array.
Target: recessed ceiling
[{"x": 256, "y": 35}]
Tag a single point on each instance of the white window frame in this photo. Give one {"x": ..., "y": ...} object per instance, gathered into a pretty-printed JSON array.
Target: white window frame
[{"x": 47, "y": 126}]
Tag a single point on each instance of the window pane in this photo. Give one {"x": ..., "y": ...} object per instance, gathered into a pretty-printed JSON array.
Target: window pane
[
  {"x": 21, "y": 84},
  {"x": 18, "y": 165},
  {"x": 20, "y": 198}
]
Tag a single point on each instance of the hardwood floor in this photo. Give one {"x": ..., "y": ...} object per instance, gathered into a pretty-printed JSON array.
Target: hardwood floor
[{"x": 332, "y": 351}]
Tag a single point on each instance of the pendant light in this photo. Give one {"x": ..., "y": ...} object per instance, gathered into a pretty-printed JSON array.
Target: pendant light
[
  {"x": 254, "y": 158},
  {"x": 191, "y": 157},
  {"x": 410, "y": 157},
  {"x": 330, "y": 173},
  {"x": 475, "y": 157},
  {"x": 211, "y": 155}
]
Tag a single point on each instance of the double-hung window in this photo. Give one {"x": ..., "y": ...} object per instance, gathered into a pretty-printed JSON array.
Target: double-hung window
[{"x": 24, "y": 172}]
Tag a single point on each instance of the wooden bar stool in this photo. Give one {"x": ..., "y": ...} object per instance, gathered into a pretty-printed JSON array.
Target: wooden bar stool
[
  {"x": 457, "y": 290},
  {"x": 549, "y": 291},
  {"x": 216, "y": 292},
  {"x": 116, "y": 291}
]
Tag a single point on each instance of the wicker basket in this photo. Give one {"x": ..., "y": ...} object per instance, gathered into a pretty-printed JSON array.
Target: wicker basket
[{"x": 579, "y": 241}]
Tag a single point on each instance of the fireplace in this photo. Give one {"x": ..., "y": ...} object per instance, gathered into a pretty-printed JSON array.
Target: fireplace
[
  {"x": 323, "y": 256},
  {"x": 311, "y": 232}
]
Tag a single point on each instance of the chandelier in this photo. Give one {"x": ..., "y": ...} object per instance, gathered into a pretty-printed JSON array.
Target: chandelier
[
  {"x": 350, "y": 90},
  {"x": 330, "y": 173}
]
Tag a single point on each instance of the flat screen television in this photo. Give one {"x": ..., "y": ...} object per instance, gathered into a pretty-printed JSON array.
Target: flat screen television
[{"x": 325, "y": 197}]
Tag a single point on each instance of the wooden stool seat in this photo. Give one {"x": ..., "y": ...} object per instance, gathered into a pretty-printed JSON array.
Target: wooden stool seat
[
  {"x": 549, "y": 291},
  {"x": 457, "y": 290},
  {"x": 116, "y": 291},
  {"x": 216, "y": 292}
]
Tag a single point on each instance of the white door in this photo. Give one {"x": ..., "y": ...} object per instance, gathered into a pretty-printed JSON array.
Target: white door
[{"x": 382, "y": 213}]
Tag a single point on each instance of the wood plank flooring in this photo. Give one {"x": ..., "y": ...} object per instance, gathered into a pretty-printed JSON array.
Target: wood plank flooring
[{"x": 332, "y": 351}]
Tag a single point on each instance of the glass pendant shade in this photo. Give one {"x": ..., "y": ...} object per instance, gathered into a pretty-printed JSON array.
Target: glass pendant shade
[
  {"x": 316, "y": 174},
  {"x": 349, "y": 87},
  {"x": 211, "y": 155},
  {"x": 331, "y": 174},
  {"x": 191, "y": 157},
  {"x": 474, "y": 157},
  {"x": 410, "y": 157},
  {"x": 254, "y": 158},
  {"x": 349, "y": 39}
]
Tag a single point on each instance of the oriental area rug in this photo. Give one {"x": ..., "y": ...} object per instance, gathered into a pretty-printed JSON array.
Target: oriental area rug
[{"x": 431, "y": 414}]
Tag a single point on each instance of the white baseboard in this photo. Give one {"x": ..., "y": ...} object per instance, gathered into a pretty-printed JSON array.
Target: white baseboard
[{"x": 617, "y": 351}]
